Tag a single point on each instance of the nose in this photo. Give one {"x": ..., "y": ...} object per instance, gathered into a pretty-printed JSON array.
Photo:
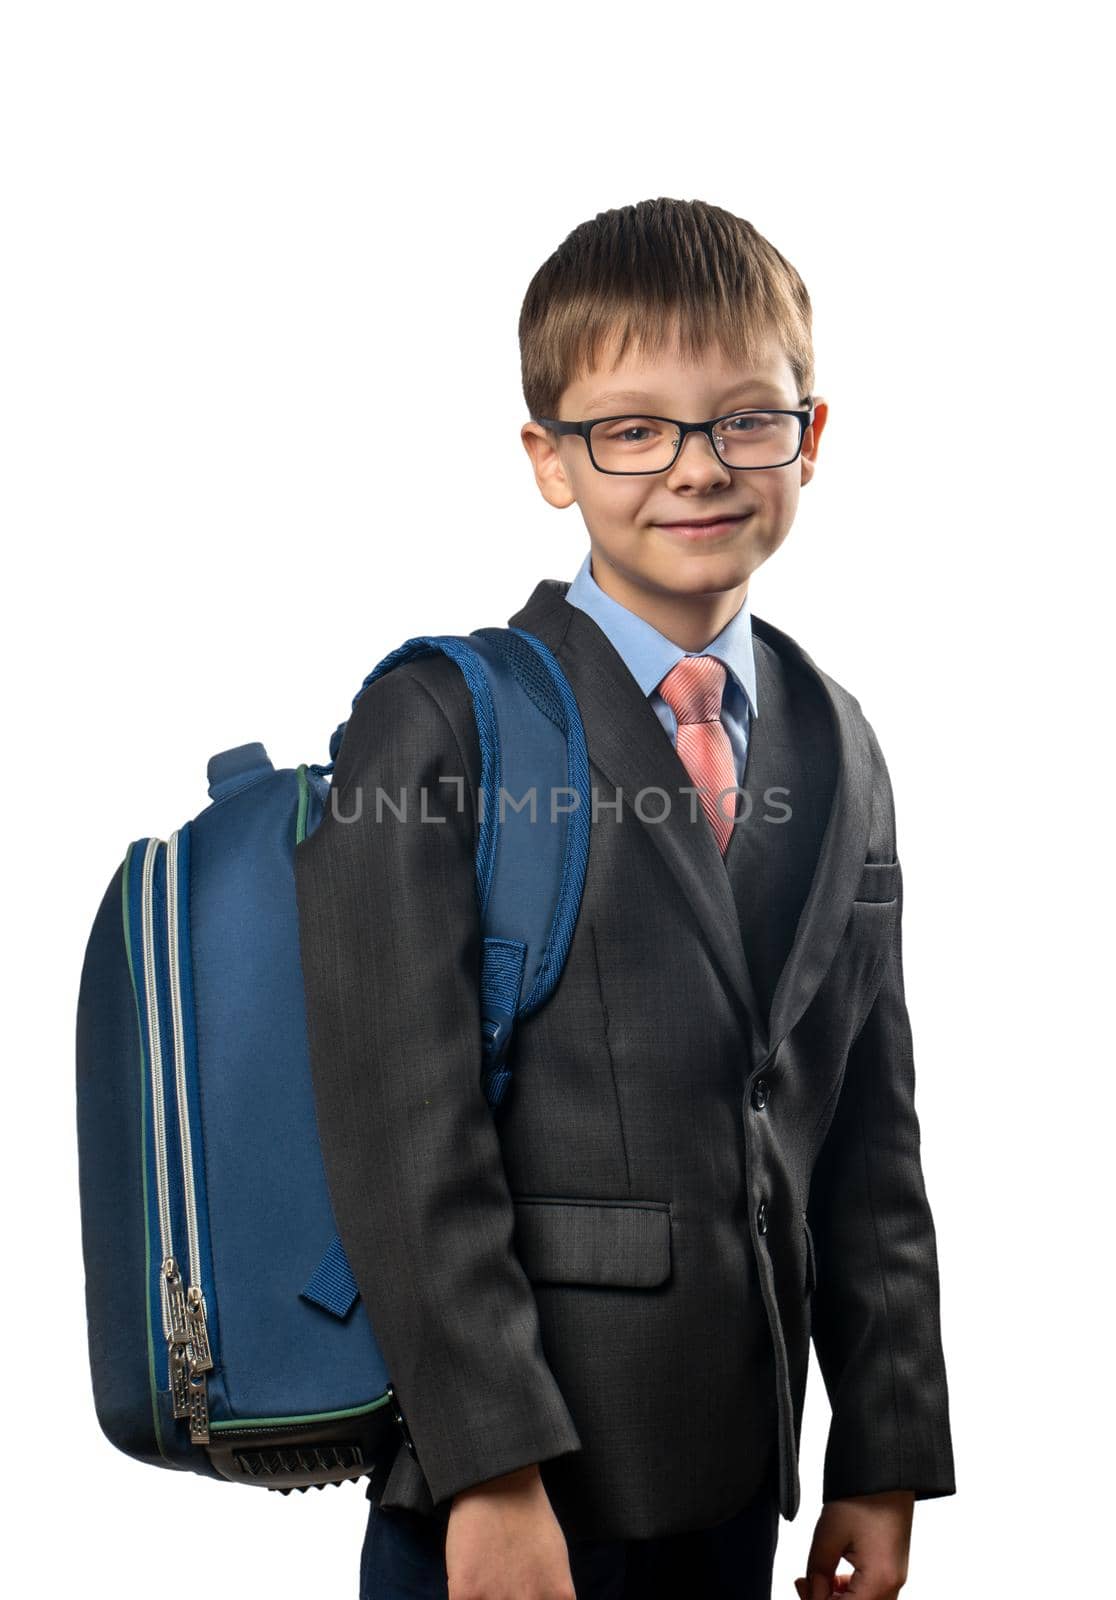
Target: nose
[{"x": 698, "y": 461}]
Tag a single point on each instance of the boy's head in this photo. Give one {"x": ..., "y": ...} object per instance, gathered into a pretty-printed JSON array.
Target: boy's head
[{"x": 673, "y": 309}]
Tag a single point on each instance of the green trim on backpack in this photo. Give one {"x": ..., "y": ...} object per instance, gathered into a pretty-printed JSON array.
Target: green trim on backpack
[
  {"x": 303, "y": 803},
  {"x": 234, "y": 1424}
]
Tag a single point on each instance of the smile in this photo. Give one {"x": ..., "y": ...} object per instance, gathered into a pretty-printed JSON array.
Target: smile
[{"x": 697, "y": 531}]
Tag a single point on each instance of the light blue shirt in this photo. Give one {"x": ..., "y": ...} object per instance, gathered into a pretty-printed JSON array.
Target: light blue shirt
[{"x": 649, "y": 656}]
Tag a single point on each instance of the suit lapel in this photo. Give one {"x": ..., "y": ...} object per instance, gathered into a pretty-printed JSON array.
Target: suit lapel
[
  {"x": 630, "y": 746},
  {"x": 843, "y": 851}
]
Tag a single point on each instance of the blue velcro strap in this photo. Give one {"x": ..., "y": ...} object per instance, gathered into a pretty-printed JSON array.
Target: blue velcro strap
[
  {"x": 333, "y": 1286},
  {"x": 496, "y": 1085},
  {"x": 502, "y": 965}
]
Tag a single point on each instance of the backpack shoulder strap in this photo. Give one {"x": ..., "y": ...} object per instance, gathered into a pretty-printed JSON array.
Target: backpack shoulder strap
[
  {"x": 534, "y": 819},
  {"x": 538, "y": 809}
]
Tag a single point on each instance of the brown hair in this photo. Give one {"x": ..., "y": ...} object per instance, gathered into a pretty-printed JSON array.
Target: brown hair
[{"x": 645, "y": 271}]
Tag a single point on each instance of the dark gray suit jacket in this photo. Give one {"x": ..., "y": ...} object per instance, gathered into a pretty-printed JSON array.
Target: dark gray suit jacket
[{"x": 710, "y": 1150}]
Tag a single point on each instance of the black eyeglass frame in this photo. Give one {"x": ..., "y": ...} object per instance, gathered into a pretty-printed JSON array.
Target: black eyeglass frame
[{"x": 805, "y": 418}]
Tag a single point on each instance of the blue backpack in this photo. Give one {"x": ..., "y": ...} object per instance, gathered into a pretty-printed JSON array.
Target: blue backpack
[{"x": 220, "y": 1303}]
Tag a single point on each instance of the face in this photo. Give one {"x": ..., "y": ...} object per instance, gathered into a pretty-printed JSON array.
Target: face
[{"x": 640, "y": 553}]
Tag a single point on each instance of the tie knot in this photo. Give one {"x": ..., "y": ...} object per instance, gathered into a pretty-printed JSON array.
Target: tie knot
[{"x": 693, "y": 689}]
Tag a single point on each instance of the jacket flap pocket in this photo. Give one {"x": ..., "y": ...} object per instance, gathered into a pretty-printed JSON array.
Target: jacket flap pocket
[
  {"x": 622, "y": 1242},
  {"x": 879, "y": 880}
]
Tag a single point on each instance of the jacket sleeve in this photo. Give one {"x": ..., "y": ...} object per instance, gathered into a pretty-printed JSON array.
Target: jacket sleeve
[
  {"x": 876, "y": 1323},
  {"x": 391, "y": 941}
]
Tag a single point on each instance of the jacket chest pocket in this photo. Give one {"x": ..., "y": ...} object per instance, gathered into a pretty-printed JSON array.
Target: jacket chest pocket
[
  {"x": 879, "y": 882},
  {"x": 565, "y": 1239}
]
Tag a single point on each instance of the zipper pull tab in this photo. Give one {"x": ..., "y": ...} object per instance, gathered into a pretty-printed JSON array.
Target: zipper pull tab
[
  {"x": 178, "y": 1361},
  {"x": 202, "y": 1358},
  {"x": 178, "y": 1366},
  {"x": 176, "y": 1300},
  {"x": 199, "y": 1407}
]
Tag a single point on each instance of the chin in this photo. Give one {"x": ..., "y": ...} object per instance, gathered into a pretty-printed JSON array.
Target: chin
[{"x": 706, "y": 577}]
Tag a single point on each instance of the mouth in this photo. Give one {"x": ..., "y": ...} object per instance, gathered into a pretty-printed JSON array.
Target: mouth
[{"x": 705, "y": 527}]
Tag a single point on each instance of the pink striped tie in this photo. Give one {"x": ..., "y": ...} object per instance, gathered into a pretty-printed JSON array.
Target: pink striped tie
[{"x": 693, "y": 689}]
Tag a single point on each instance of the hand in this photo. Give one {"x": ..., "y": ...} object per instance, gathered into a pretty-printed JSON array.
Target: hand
[
  {"x": 503, "y": 1542},
  {"x": 873, "y": 1532}
]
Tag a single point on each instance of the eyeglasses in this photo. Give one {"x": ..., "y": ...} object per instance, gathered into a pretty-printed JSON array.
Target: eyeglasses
[{"x": 746, "y": 441}]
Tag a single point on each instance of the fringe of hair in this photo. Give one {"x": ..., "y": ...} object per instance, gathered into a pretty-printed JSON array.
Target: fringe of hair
[{"x": 647, "y": 274}]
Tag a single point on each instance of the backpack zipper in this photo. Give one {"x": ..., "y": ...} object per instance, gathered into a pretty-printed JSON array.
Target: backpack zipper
[
  {"x": 172, "y": 1296},
  {"x": 198, "y": 1349}
]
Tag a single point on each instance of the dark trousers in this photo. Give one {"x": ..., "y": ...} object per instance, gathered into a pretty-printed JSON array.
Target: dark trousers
[{"x": 404, "y": 1559}]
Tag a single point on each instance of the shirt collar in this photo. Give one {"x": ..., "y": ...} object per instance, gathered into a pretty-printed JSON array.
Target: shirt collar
[{"x": 648, "y": 655}]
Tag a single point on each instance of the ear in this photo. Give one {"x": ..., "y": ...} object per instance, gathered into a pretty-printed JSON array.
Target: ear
[
  {"x": 813, "y": 434},
  {"x": 550, "y": 473}
]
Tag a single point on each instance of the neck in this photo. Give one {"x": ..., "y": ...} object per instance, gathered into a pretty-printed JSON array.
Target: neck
[{"x": 688, "y": 620}]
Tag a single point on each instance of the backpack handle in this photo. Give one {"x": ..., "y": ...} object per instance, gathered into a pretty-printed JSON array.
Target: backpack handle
[{"x": 234, "y": 769}]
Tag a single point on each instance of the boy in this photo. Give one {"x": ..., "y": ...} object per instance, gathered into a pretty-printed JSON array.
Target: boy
[{"x": 596, "y": 1307}]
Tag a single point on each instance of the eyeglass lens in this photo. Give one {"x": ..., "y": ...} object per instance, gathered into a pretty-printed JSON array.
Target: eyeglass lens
[{"x": 754, "y": 439}]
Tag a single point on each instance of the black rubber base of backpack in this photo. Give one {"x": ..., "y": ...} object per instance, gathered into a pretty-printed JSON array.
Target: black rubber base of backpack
[
  {"x": 301, "y": 1458},
  {"x": 309, "y": 1467}
]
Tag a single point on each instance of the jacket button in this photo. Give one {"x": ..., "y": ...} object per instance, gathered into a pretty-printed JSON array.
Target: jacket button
[
  {"x": 761, "y": 1217},
  {"x": 760, "y": 1090},
  {"x": 400, "y": 1419}
]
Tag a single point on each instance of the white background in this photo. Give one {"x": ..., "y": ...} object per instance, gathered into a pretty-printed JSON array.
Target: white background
[{"x": 248, "y": 248}]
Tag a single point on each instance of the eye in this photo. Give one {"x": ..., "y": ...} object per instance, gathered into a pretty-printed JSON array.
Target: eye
[
  {"x": 629, "y": 430},
  {"x": 748, "y": 422}
]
